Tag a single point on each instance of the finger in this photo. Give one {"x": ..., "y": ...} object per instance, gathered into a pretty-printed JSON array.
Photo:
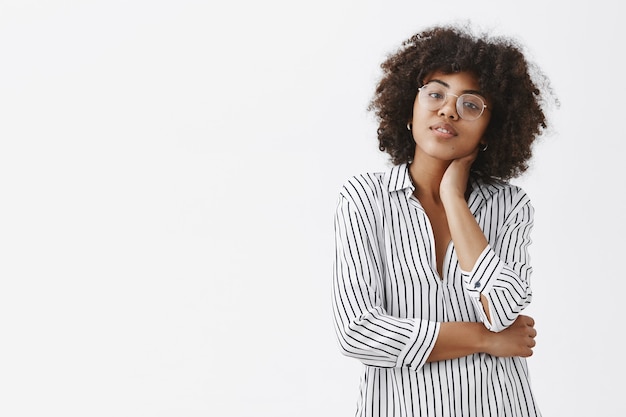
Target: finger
[
  {"x": 529, "y": 321},
  {"x": 526, "y": 353}
]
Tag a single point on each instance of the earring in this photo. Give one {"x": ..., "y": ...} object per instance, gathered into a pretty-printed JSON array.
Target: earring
[
  {"x": 486, "y": 145},
  {"x": 409, "y": 126}
]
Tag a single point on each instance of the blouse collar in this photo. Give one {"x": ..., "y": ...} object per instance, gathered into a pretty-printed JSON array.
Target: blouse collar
[{"x": 398, "y": 179}]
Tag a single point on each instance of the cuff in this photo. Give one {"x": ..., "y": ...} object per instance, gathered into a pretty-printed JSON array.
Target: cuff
[
  {"x": 418, "y": 348},
  {"x": 484, "y": 273}
]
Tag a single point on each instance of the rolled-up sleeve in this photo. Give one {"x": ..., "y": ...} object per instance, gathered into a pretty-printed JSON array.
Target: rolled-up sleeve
[
  {"x": 364, "y": 329},
  {"x": 502, "y": 271}
]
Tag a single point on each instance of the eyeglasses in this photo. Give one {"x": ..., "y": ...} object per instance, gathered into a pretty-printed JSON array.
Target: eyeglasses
[{"x": 434, "y": 96}]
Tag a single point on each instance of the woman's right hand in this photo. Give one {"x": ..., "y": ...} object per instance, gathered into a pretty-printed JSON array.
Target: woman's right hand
[{"x": 516, "y": 340}]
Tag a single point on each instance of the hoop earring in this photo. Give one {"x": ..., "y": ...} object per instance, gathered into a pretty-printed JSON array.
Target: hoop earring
[
  {"x": 409, "y": 126},
  {"x": 485, "y": 148}
]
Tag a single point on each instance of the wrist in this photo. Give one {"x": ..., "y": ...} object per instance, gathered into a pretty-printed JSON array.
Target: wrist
[
  {"x": 485, "y": 340},
  {"x": 450, "y": 198}
]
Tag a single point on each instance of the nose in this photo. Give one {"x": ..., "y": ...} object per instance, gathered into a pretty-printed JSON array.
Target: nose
[{"x": 448, "y": 110}]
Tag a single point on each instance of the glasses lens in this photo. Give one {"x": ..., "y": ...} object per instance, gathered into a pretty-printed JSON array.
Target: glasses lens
[
  {"x": 432, "y": 96},
  {"x": 469, "y": 106}
]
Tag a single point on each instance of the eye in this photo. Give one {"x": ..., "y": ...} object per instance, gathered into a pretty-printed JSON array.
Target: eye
[
  {"x": 436, "y": 95},
  {"x": 472, "y": 103},
  {"x": 434, "y": 92}
]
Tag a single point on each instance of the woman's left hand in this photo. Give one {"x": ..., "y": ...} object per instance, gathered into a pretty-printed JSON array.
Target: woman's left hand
[{"x": 454, "y": 181}]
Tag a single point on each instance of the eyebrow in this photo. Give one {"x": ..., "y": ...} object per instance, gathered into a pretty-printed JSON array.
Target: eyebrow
[{"x": 445, "y": 84}]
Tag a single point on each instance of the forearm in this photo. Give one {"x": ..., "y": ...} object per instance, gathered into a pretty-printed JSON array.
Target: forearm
[
  {"x": 458, "y": 339},
  {"x": 469, "y": 240}
]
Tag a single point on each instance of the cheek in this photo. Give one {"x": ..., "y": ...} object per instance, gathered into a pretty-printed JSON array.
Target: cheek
[
  {"x": 416, "y": 107},
  {"x": 419, "y": 114},
  {"x": 480, "y": 129},
  {"x": 485, "y": 123}
]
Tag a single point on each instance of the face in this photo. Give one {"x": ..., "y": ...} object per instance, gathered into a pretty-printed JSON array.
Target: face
[{"x": 442, "y": 134}]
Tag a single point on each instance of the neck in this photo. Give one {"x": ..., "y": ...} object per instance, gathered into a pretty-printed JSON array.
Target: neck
[{"x": 426, "y": 176}]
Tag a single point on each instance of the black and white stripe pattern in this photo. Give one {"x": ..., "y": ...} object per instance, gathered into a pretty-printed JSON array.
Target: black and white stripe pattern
[{"x": 388, "y": 299}]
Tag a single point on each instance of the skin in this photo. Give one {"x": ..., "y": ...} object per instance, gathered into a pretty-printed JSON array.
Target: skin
[{"x": 446, "y": 147}]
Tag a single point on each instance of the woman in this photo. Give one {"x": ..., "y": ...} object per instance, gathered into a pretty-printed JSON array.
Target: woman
[{"x": 432, "y": 268}]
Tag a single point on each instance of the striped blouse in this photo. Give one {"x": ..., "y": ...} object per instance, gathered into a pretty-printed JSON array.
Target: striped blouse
[{"x": 388, "y": 299}]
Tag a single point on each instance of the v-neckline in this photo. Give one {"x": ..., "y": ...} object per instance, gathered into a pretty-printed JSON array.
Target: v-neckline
[{"x": 434, "y": 262}]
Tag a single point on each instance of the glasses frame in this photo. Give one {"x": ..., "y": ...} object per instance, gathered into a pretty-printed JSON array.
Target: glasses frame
[{"x": 458, "y": 104}]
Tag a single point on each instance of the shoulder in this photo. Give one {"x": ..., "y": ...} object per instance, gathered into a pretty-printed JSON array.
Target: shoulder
[
  {"x": 361, "y": 194},
  {"x": 506, "y": 196},
  {"x": 369, "y": 192},
  {"x": 378, "y": 184},
  {"x": 362, "y": 185}
]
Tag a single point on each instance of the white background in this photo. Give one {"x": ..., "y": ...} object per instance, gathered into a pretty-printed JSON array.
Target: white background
[{"x": 168, "y": 176}]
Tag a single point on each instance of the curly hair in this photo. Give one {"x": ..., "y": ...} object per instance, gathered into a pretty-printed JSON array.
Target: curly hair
[{"x": 503, "y": 73}]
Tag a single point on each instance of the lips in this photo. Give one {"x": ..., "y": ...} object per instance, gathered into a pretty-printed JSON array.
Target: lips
[{"x": 443, "y": 129}]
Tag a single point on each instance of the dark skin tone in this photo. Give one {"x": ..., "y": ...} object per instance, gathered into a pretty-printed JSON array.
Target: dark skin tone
[{"x": 446, "y": 147}]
